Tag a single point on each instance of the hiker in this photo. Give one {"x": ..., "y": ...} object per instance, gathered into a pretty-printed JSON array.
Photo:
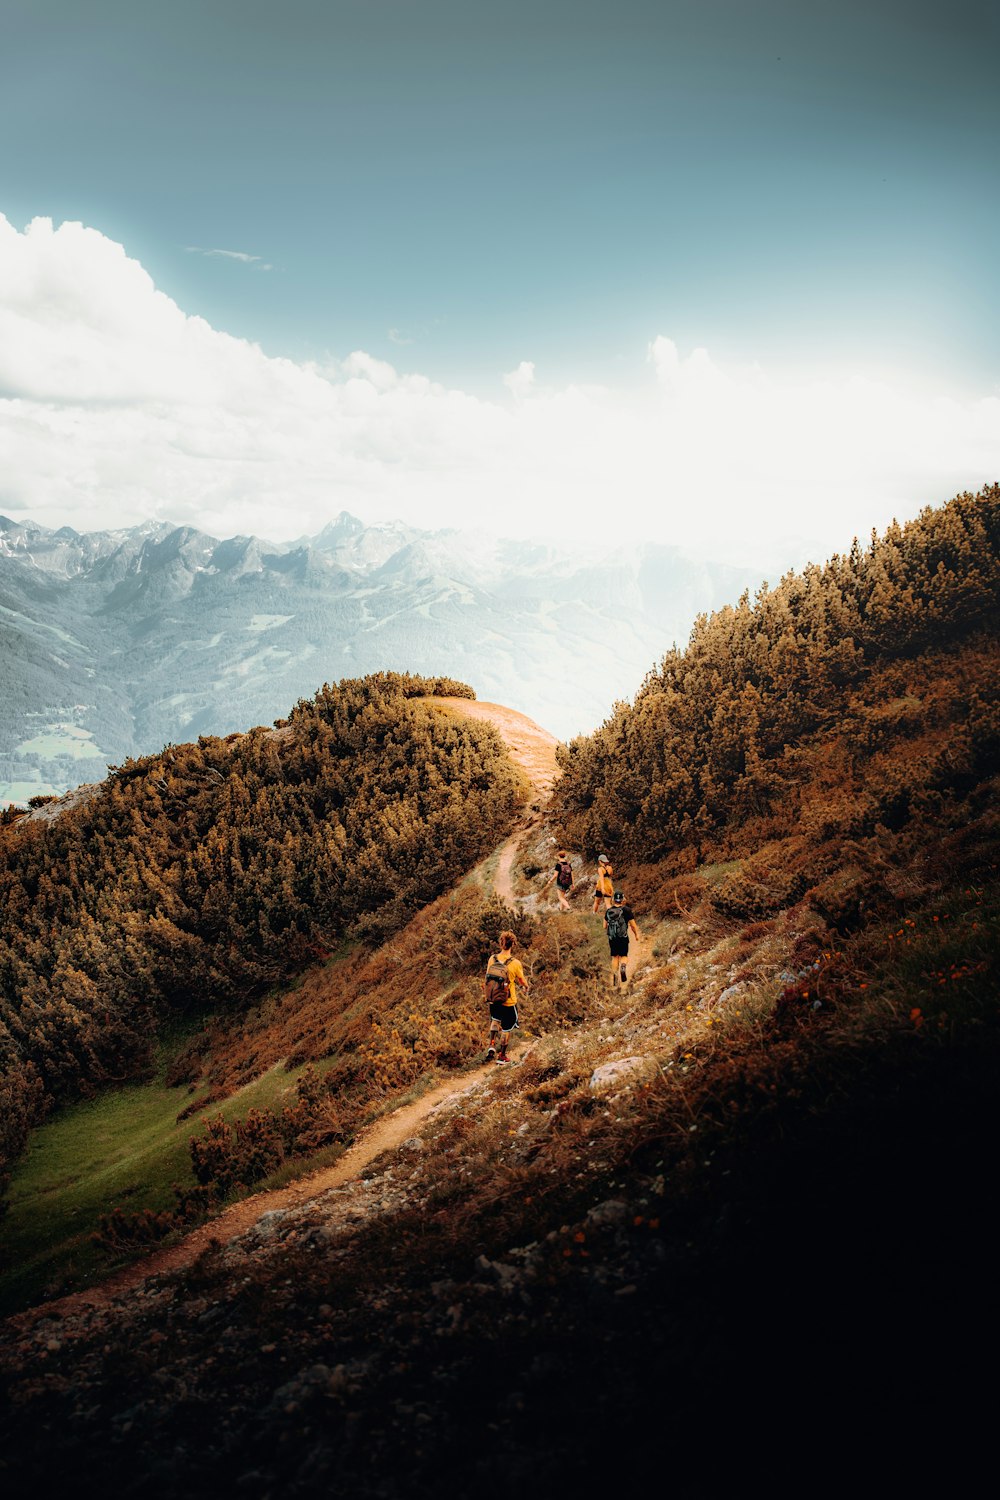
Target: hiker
[
  {"x": 604, "y": 883},
  {"x": 563, "y": 877},
  {"x": 503, "y": 975},
  {"x": 618, "y": 923}
]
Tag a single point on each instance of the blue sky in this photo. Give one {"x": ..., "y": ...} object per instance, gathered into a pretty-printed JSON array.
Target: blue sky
[
  {"x": 457, "y": 188},
  {"x": 553, "y": 180}
]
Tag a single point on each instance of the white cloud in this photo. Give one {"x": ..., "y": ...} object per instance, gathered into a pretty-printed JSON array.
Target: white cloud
[
  {"x": 378, "y": 372},
  {"x": 240, "y": 255},
  {"x": 116, "y": 407},
  {"x": 520, "y": 381}
]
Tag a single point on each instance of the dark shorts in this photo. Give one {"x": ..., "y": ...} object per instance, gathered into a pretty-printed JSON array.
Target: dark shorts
[
  {"x": 505, "y": 1014},
  {"x": 619, "y": 947}
]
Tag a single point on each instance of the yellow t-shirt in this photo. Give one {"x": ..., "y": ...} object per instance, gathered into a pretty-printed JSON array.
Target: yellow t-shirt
[
  {"x": 515, "y": 975},
  {"x": 605, "y": 880}
]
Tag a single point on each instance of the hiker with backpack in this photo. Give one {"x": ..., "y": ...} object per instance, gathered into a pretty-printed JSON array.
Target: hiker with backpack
[
  {"x": 618, "y": 923},
  {"x": 563, "y": 877},
  {"x": 503, "y": 976},
  {"x": 604, "y": 883}
]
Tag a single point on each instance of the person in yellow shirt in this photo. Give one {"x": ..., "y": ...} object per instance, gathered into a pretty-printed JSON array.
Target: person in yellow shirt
[
  {"x": 604, "y": 884},
  {"x": 504, "y": 975}
]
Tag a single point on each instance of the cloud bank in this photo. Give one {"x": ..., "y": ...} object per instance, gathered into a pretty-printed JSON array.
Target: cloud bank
[{"x": 117, "y": 407}]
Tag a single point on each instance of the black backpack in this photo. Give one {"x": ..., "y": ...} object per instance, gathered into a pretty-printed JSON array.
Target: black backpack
[
  {"x": 564, "y": 877},
  {"x": 617, "y": 925},
  {"x": 497, "y": 980}
]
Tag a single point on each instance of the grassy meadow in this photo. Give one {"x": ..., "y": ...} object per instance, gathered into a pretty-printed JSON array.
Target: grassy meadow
[{"x": 125, "y": 1148}]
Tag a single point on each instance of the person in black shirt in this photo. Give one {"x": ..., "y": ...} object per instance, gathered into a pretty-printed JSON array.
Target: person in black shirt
[
  {"x": 563, "y": 877},
  {"x": 619, "y": 921}
]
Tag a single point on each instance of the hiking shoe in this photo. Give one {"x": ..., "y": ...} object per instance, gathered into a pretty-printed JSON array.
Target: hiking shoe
[
  {"x": 502, "y": 1058},
  {"x": 491, "y": 1054}
]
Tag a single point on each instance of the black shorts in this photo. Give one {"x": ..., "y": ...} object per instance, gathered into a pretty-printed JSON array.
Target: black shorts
[
  {"x": 505, "y": 1014},
  {"x": 619, "y": 947}
]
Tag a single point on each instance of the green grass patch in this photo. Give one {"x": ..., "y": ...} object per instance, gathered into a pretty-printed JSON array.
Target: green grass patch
[{"x": 123, "y": 1149}]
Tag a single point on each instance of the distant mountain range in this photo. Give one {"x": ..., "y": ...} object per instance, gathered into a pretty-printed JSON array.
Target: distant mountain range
[{"x": 114, "y": 643}]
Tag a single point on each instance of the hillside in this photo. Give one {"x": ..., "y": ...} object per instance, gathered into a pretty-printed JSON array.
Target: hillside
[
  {"x": 115, "y": 643},
  {"x": 196, "y": 880},
  {"x": 723, "y": 1226}
]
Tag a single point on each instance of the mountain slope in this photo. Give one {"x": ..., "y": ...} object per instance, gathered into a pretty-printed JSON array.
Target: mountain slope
[
  {"x": 732, "y": 1219},
  {"x": 204, "y": 875},
  {"x": 637, "y": 1236}
]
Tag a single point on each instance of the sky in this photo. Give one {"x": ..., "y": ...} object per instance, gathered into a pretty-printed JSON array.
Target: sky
[{"x": 721, "y": 272}]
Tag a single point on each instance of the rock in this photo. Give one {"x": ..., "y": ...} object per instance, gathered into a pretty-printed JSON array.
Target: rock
[
  {"x": 624, "y": 1070},
  {"x": 611, "y": 1211},
  {"x": 268, "y": 1223}
]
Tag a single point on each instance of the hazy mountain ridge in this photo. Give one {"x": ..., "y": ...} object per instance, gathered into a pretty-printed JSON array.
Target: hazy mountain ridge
[{"x": 117, "y": 642}]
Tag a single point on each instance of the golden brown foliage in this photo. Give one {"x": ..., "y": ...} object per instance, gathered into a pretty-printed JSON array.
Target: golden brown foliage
[
  {"x": 198, "y": 878},
  {"x": 791, "y": 707}
]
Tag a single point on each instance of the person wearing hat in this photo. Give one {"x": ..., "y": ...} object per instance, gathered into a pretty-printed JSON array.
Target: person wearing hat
[
  {"x": 619, "y": 921},
  {"x": 604, "y": 884}
]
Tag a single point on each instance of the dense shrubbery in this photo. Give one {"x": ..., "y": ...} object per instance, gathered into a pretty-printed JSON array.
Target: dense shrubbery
[
  {"x": 389, "y": 1016},
  {"x": 788, "y": 708},
  {"x": 200, "y": 877}
]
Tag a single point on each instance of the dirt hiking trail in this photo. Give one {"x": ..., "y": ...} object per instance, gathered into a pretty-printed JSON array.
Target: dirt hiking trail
[
  {"x": 531, "y": 747},
  {"x": 384, "y": 1135},
  {"x": 533, "y": 750}
]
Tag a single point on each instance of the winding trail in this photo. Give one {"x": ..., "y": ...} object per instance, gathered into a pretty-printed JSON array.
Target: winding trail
[
  {"x": 533, "y": 750},
  {"x": 384, "y": 1135},
  {"x": 531, "y": 747}
]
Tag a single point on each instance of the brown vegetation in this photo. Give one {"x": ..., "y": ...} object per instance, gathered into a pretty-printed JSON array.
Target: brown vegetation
[
  {"x": 850, "y": 697},
  {"x": 198, "y": 878}
]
